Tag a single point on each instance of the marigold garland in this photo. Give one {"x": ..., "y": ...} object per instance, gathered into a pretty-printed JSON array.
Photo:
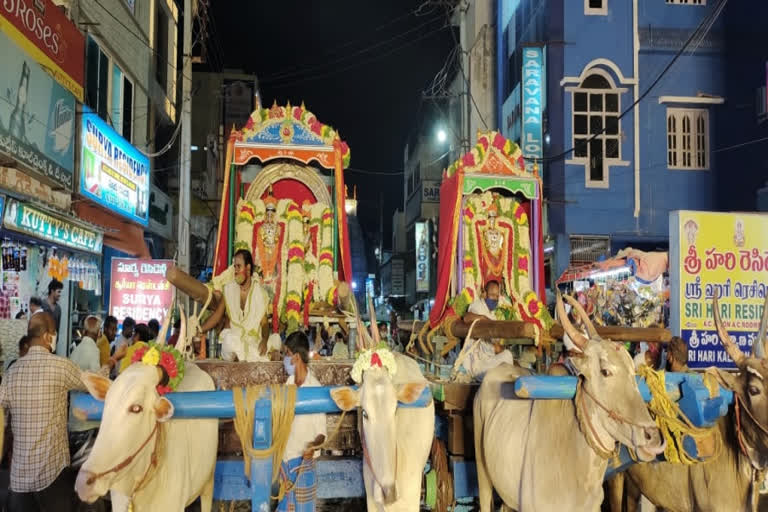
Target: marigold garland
[{"x": 167, "y": 358}]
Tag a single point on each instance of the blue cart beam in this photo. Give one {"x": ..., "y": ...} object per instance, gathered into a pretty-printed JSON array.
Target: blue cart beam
[
  {"x": 687, "y": 389},
  {"x": 219, "y": 404}
]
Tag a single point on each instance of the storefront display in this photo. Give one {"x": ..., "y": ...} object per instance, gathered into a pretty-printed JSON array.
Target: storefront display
[{"x": 28, "y": 267}]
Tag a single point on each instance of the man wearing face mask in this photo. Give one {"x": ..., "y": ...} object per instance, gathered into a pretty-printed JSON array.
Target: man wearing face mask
[
  {"x": 307, "y": 432},
  {"x": 35, "y": 392},
  {"x": 479, "y": 356},
  {"x": 245, "y": 303},
  {"x": 485, "y": 307}
]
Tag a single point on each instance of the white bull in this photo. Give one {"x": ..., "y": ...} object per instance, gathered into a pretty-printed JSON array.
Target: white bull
[
  {"x": 542, "y": 455},
  {"x": 135, "y": 430},
  {"x": 396, "y": 440}
]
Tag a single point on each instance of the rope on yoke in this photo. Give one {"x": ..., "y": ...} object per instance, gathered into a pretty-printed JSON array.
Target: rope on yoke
[
  {"x": 673, "y": 423},
  {"x": 283, "y": 409}
]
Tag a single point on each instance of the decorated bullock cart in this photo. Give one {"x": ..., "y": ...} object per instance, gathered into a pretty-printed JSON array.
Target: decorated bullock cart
[{"x": 284, "y": 199}]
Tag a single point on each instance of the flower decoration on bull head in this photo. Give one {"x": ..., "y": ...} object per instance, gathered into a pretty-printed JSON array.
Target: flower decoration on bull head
[
  {"x": 379, "y": 357},
  {"x": 168, "y": 359}
]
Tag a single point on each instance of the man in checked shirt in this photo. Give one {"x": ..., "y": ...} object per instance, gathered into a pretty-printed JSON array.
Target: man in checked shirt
[{"x": 35, "y": 392}]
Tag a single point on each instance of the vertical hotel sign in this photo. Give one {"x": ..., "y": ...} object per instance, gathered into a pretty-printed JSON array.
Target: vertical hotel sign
[
  {"x": 43, "y": 31},
  {"x": 532, "y": 135},
  {"x": 717, "y": 253},
  {"x": 422, "y": 257}
]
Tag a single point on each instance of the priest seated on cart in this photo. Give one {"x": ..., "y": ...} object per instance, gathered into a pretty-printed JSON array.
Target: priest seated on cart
[
  {"x": 479, "y": 356},
  {"x": 244, "y": 301}
]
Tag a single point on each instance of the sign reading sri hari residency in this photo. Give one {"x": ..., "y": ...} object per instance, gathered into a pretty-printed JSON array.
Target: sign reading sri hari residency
[{"x": 723, "y": 254}]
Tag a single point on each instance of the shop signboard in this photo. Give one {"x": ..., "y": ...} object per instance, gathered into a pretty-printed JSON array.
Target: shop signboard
[
  {"x": 533, "y": 80},
  {"x": 29, "y": 220},
  {"x": 44, "y": 32},
  {"x": 717, "y": 253},
  {"x": 398, "y": 277},
  {"x": 37, "y": 116},
  {"x": 113, "y": 173},
  {"x": 422, "y": 256},
  {"x": 140, "y": 290},
  {"x": 430, "y": 191},
  {"x": 160, "y": 213}
]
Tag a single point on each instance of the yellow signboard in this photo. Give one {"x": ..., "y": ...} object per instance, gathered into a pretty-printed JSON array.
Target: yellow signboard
[{"x": 717, "y": 253}]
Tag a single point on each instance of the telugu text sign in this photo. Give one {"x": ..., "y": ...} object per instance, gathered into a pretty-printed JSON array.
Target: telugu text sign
[
  {"x": 717, "y": 253},
  {"x": 37, "y": 117},
  {"x": 140, "y": 290}
]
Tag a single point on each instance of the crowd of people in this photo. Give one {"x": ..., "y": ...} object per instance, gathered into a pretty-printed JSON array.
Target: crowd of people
[{"x": 48, "y": 441}]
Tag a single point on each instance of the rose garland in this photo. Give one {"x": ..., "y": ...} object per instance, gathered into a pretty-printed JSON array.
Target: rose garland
[
  {"x": 165, "y": 357},
  {"x": 379, "y": 357}
]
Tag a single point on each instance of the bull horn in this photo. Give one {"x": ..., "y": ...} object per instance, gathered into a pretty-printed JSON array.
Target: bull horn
[
  {"x": 758, "y": 346},
  {"x": 576, "y": 336},
  {"x": 591, "y": 330},
  {"x": 730, "y": 347},
  {"x": 365, "y": 337},
  {"x": 181, "y": 343},
  {"x": 374, "y": 323},
  {"x": 161, "y": 336}
]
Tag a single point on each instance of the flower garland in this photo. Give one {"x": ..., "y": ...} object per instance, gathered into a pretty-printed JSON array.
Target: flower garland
[
  {"x": 379, "y": 357},
  {"x": 294, "y": 277},
  {"x": 512, "y": 220},
  {"x": 167, "y": 358},
  {"x": 325, "y": 279}
]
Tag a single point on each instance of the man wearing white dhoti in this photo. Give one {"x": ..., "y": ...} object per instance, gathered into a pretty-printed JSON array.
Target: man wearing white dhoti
[{"x": 244, "y": 302}]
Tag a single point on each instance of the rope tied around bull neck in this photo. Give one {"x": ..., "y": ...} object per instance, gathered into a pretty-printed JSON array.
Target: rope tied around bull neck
[
  {"x": 673, "y": 423},
  {"x": 283, "y": 398}
]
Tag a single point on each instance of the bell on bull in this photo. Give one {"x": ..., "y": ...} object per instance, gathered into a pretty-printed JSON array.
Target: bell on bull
[
  {"x": 732, "y": 480},
  {"x": 522, "y": 446}
]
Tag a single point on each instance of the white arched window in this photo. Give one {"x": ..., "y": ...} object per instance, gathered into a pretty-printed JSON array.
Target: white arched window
[{"x": 596, "y": 127}]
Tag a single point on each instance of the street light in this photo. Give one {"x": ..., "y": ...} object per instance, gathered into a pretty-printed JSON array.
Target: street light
[{"x": 441, "y": 135}]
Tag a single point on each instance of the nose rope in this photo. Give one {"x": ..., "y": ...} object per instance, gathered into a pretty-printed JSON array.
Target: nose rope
[{"x": 122, "y": 465}]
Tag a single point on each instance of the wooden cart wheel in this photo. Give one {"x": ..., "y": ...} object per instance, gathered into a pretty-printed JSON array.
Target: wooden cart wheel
[{"x": 439, "y": 460}]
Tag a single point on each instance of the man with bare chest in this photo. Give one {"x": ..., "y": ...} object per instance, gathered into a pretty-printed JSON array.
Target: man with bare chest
[{"x": 245, "y": 305}]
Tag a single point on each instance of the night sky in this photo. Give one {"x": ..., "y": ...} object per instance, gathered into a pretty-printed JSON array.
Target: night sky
[{"x": 344, "y": 59}]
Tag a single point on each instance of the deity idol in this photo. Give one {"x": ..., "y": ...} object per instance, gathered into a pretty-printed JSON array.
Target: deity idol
[
  {"x": 493, "y": 248},
  {"x": 268, "y": 245}
]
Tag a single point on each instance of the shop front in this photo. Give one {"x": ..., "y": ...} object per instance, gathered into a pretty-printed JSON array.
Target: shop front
[{"x": 39, "y": 245}]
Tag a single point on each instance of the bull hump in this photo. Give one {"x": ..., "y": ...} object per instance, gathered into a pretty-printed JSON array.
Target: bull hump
[{"x": 195, "y": 379}]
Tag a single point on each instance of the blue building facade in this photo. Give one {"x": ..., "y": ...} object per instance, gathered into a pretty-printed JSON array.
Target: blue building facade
[{"x": 613, "y": 172}]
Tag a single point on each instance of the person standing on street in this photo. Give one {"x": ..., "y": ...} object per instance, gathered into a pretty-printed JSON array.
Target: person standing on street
[
  {"x": 106, "y": 339},
  {"x": 35, "y": 392},
  {"x": 123, "y": 342},
  {"x": 51, "y": 303}
]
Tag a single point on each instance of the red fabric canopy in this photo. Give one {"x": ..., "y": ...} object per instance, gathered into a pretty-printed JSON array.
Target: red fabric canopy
[{"x": 448, "y": 233}]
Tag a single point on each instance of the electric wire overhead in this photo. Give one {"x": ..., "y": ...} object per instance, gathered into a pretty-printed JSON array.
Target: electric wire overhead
[{"x": 696, "y": 36}]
